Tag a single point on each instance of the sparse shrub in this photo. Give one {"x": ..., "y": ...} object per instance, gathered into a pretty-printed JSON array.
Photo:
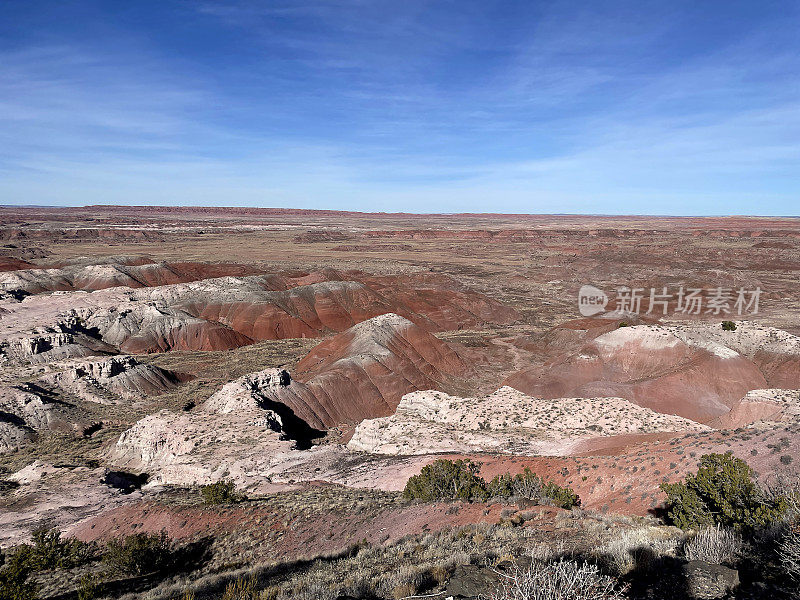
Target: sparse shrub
[
  {"x": 241, "y": 589},
  {"x": 728, "y": 326},
  {"x": 562, "y": 580},
  {"x": 221, "y": 492},
  {"x": 622, "y": 324},
  {"x": 715, "y": 545},
  {"x": 88, "y": 588},
  {"x": 310, "y": 591},
  {"x": 447, "y": 480},
  {"x": 640, "y": 549},
  {"x": 721, "y": 492},
  {"x": 139, "y": 553},
  {"x": 789, "y": 554},
  {"x": 785, "y": 486},
  {"x": 410, "y": 580}
]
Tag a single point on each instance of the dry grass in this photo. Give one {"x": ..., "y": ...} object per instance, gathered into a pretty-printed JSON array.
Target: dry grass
[
  {"x": 411, "y": 565},
  {"x": 789, "y": 553},
  {"x": 716, "y": 545},
  {"x": 211, "y": 370},
  {"x": 560, "y": 580},
  {"x": 639, "y": 549}
]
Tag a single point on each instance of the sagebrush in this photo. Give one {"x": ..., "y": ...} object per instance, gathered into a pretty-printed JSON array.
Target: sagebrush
[
  {"x": 560, "y": 580},
  {"x": 717, "y": 545}
]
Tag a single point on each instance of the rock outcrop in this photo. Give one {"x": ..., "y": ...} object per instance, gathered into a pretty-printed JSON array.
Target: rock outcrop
[
  {"x": 49, "y": 346},
  {"x": 248, "y": 443},
  {"x": 505, "y": 421},
  {"x": 110, "y": 380},
  {"x": 705, "y": 581},
  {"x": 22, "y": 412}
]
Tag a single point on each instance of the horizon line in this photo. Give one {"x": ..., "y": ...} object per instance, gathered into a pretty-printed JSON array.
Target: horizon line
[{"x": 185, "y": 207}]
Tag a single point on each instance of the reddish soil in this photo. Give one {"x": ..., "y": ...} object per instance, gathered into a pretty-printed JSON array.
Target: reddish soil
[
  {"x": 296, "y": 532},
  {"x": 14, "y": 264}
]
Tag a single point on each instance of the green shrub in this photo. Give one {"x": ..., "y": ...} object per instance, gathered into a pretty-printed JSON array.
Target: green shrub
[
  {"x": 139, "y": 553},
  {"x": 459, "y": 480},
  {"x": 561, "y": 496},
  {"x": 722, "y": 492},
  {"x": 530, "y": 485},
  {"x": 14, "y": 586},
  {"x": 447, "y": 480},
  {"x": 49, "y": 551},
  {"x": 221, "y": 492},
  {"x": 728, "y": 326},
  {"x": 14, "y": 572},
  {"x": 88, "y": 588}
]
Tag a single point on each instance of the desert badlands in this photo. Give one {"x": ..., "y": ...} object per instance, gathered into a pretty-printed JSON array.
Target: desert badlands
[{"x": 256, "y": 403}]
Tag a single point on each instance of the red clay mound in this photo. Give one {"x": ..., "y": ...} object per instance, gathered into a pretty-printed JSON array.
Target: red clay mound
[
  {"x": 650, "y": 367},
  {"x": 573, "y": 334},
  {"x": 282, "y": 535},
  {"x": 220, "y": 313},
  {"x": 305, "y": 311},
  {"x": 363, "y": 372},
  {"x": 440, "y": 303},
  {"x": 142, "y": 329},
  {"x": 780, "y": 371},
  {"x": 14, "y": 264},
  {"x": 191, "y": 336},
  {"x": 310, "y": 305}
]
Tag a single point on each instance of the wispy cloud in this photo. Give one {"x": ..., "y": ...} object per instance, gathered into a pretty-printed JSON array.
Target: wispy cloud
[{"x": 454, "y": 105}]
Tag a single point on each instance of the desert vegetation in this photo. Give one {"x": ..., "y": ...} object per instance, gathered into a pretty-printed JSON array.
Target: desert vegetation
[
  {"x": 221, "y": 492},
  {"x": 723, "y": 492},
  {"x": 559, "y": 580},
  {"x": 459, "y": 480}
]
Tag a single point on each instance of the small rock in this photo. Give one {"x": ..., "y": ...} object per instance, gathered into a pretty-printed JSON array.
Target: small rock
[
  {"x": 471, "y": 581},
  {"x": 705, "y": 581}
]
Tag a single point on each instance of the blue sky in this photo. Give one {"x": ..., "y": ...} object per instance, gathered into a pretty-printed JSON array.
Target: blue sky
[{"x": 452, "y": 106}]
